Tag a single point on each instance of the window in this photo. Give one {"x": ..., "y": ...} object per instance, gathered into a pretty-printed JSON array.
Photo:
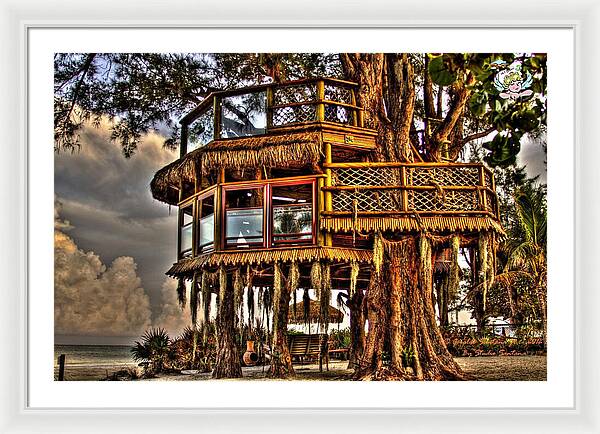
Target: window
[
  {"x": 206, "y": 226},
  {"x": 186, "y": 223},
  {"x": 201, "y": 131},
  {"x": 244, "y": 217},
  {"x": 292, "y": 207},
  {"x": 244, "y": 115}
]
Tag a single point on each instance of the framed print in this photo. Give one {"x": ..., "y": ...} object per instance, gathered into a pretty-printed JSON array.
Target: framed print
[{"x": 258, "y": 218}]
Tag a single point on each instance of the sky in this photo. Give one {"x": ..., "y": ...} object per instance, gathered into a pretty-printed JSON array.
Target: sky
[{"x": 114, "y": 242}]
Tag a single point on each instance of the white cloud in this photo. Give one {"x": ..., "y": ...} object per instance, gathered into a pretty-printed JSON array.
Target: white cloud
[
  {"x": 92, "y": 299},
  {"x": 171, "y": 316}
]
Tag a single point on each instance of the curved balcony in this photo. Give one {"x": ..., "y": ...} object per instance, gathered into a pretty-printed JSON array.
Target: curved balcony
[{"x": 269, "y": 109}]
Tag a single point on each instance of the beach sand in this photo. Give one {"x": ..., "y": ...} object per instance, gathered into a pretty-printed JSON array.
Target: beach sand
[{"x": 488, "y": 368}]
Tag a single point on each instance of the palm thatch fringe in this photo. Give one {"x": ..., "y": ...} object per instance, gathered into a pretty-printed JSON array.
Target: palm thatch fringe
[
  {"x": 378, "y": 251},
  {"x": 487, "y": 258},
  {"x": 298, "y": 255},
  {"x": 293, "y": 281},
  {"x": 316, "y": 278},
  {"x": 426, "y": 263},
  {"x": 181, "y": 292},
  {"x": 206, "y": 301},
  {"x": 306, "y": 317},
  {"x": 354, "y": 269},
  {"x": 454, "y": 274},
  {"x": 238, "y": 295},
  {"x": 393, "y": 223},
  {"x": 277, "y": 288},
  {"x": 298, "y": 149},
  {"x": 325, "y": 299},
  {"x": 284, "y": 150},
  {"x": 194, "y": 300}
]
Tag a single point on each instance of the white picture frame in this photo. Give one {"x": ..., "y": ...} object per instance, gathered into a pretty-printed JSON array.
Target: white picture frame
[{"x": 20, "y": 17}]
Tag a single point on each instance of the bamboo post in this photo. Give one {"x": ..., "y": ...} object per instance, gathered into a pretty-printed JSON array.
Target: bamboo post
[
  {"x": 354, "y": 111},
  {"x": 61, "y": 367},
  {"x": 483, "y": 192},
  {"x": 270, "y": 99},
  {"x": 404, "y": 181},
  {"x": 179, "y": 220},
  {"x": 217, "y": 117},
  {"x": 219, "y": 213},
  {"x": 328, "y": 183},
  {"x": 320, "y": 98},
  {"x": 320, "y": 209}
]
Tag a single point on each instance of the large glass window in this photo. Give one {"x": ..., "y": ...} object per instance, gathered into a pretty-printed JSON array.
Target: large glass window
[
  {"x": 206, "y": 227},
  {"x": 244, "y": 115},
  {"x": 244, "y": 217},
  {"x": 292, "y": 213},
  {"x": 186, "y": 223},
  {"x": 201, "y": 131}
]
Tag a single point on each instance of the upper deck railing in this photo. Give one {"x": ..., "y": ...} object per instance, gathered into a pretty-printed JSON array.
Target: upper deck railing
[
  {"x": 270, "y": 107},
  {"x": 404, "y": 188}
]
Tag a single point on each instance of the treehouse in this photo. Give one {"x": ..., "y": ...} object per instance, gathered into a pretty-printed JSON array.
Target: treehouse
[{"x": 285, "y": 173}]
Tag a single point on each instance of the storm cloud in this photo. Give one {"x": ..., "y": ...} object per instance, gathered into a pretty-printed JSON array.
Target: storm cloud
[
  {"x": 92, "y": 299},
  {"x": 106, "y": 198}
]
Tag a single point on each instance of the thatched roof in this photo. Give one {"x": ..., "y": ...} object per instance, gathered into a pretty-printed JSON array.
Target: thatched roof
[
  {"x": 410, "y": 223},
  {"x": 280, "y": 151},
  {"x": 296, "y": 254},
  {"x": 335, "y": 315}
]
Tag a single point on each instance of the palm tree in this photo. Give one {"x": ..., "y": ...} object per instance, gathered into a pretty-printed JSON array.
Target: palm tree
[
  {"x": 153, "y": 349},
  {"x": 525, "y": 250}
]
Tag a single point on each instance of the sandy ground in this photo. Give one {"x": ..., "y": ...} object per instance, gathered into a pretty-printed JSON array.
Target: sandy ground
[{"x": 489, "y": 368}]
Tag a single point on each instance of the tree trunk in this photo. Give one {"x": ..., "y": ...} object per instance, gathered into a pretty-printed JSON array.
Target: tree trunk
[
  {"x": 281, "y": 360},
  {"x": 400, "y": 308},
  {"x": 228, "y": 364},
  {"x": 405, "y": 283},
  {"x": 357, "y": 327}
]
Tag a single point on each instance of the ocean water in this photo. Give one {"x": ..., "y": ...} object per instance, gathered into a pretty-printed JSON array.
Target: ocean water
[{"x": 92, "y": 362}]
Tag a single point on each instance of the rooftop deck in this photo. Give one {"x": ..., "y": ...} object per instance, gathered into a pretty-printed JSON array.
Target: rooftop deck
[{"x": 270, "y": 109}]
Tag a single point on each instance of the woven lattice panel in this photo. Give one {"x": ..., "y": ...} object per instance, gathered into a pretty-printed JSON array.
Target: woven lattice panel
[
  {"x": 293, "y": 94},
  {"x": 443, "y": 176},
  {"x": 338, "y": 114},
  {"x": 488, "y": 179},
  {"x": 367, "y": 200},
  {"x": 450, "y": 200},
  {"x": 337, "y": 93},
  {"x": 367, "y": 176},
  {"x": 295, "y": 114},
  {"x": 490, "y": 202}
]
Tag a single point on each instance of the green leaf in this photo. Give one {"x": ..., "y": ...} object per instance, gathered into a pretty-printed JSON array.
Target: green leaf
[
  {"x": 477, "y": 103},
  {"x": 439, "y": 73}
]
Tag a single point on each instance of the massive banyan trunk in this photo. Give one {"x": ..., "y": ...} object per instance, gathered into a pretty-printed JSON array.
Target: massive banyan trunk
[
  {"x": 402, "y": 318},
  {"x": 281, "y": 360},
  {"x": 228, "y": 364}
]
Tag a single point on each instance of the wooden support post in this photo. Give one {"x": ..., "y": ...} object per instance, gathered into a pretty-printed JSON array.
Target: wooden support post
[
  {"x": 483, "y": 192},
  {"x": 183, "y": 141},
  {"x": 328, "y": 183},
  {"x": 270, "y": 102},
  {"x": 219, "y": 210},
  {"x": 217, "y": 117},
  {"x": 320, "y": 209},
  {"x": 61, "y": 367},
  {"x": 320, "y": 98},
  {"x": 355, "y": 112}
]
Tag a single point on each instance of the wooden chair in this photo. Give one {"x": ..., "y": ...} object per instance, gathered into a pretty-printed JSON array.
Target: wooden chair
[{"x": 303, "y": 347}]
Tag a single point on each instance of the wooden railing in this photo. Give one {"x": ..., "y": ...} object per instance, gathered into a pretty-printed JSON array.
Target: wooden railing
[
  {"x": 267, "y": 108},
  {"x": 406, "y": 188}
]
